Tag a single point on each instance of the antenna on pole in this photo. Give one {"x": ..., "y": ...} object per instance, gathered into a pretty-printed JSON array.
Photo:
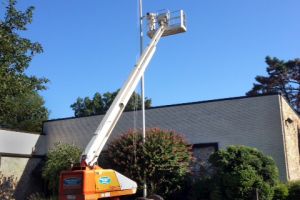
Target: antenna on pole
[
  {"x": 173, "y": 22},
  {"x": 142, "y": 89}
]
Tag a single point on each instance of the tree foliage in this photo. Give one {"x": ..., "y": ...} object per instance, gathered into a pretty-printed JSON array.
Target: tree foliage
[
  {"x": 60, "y": 158},
  {"x": 99, "y": 104},
  {"x": 281, "y": 192},
  {"x": 164, "y": 159},
  {"x": 283, "y": 77},
  {"x": 294, "y": 190},
  {"x": 16, "y": 54},
  {"x": 240, "y": 171},
  {"x": 27, "y": 112}
]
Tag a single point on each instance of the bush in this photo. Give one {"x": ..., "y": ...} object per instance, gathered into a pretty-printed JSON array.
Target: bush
[
  {"x": 38, "y": 196},
  {"x": 7, "y": 187},
  {"x": 164, "y": 159},
  {"x": 281, "y": 192},
  {"x": 294, "y": 190},
  {"x": 240, "y": 171},
  {"x": 201, "y": 189},
  {"x": 60, "y": 158}
]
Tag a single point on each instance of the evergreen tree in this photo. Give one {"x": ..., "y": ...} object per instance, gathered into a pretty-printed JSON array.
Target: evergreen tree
[{"x": 283, "y": 77}]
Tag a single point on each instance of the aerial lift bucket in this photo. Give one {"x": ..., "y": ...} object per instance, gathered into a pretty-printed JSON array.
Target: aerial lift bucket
[{"x": 175, "y": 22}]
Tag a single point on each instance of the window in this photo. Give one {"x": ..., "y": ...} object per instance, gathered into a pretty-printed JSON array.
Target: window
[{"x": 201, "y": 153}]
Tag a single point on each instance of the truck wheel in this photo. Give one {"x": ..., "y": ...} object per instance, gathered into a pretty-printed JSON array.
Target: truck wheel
[{"x": 155, "y": 197}]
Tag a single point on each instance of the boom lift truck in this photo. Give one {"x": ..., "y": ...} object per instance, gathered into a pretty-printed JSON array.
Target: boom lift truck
[{"x": 89, "y": 181}]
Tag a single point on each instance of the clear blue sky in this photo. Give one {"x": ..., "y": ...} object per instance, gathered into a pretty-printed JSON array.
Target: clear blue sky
[{"x": 92, "y": 45}]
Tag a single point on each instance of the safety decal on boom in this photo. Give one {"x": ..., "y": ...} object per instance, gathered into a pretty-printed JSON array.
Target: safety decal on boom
[{"x": 104, "y": 180}]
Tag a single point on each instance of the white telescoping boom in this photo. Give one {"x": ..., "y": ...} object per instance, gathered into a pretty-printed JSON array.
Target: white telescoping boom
[
  {"x": 96, "y": 144},
  {"x": 89, "y": 181},
  {"x": 91, "y": 153}
]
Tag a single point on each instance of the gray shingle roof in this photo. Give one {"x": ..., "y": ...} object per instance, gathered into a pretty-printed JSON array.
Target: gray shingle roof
[{"x": 251, "y": 121}]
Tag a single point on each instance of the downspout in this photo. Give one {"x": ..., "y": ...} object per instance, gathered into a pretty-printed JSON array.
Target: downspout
[{"x": 283, "y": 136}]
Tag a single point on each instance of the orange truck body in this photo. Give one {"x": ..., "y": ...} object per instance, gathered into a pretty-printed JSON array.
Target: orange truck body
[{"x": 83, "y": 183}]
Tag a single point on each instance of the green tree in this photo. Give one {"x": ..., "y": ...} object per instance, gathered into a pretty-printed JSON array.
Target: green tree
[
  {"x": 16, "y": 54},
  {"x": 240, "y": 171},
  {"x": 283, "y": 77},
  {"x": 27, "y": 112},
  {"x": 60, "y": 158},
  {"x": 99, "y": 104},
  {"x": 164, "y": 159}
]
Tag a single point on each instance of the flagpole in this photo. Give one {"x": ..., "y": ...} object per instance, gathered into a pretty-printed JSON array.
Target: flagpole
[{"x": 142, "y": 89}]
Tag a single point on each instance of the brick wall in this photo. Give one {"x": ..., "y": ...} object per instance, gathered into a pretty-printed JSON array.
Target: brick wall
[{"x": 291, "y": 127}]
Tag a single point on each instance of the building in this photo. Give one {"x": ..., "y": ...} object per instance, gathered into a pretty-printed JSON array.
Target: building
[
  {"x": 266, "y": 122},
  {"x": 20, "y": 155}
]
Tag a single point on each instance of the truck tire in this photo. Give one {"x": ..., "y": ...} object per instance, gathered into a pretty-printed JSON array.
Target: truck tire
[{"x": 155, "y": 197}]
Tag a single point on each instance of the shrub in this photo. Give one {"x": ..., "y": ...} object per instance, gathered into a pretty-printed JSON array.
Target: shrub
[
  {"x": 7, "y": 187},
  {"x": 38, "y": 196},
  {"x": 164, "y": 159},
  {"x": 240, "y": 171},
  {"x": 294, "y": 190},
  {"x": 281, "y": 192},
  {"x": 61, "y": 157},
  {"x": 201, "y": 189}
]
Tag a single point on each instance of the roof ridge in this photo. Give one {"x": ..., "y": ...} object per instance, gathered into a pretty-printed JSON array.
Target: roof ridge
[{"x": 178, "y": 104}]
